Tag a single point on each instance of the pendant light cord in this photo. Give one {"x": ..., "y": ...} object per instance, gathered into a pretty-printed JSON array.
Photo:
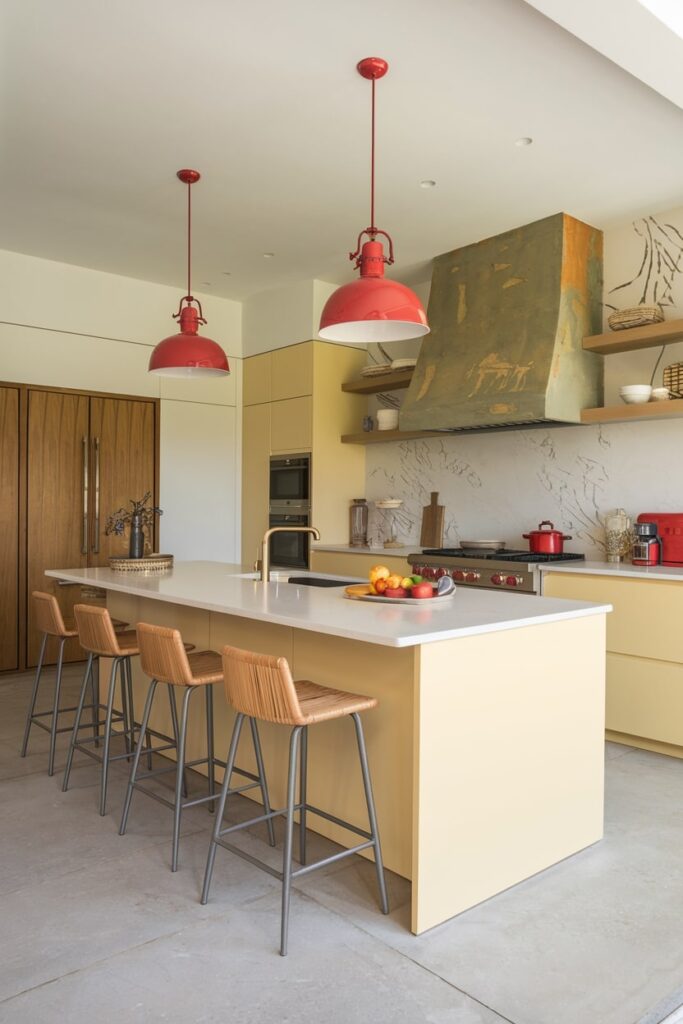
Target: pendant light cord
[
  {"x": 372, "y": 228},
  {"x": 189, "y": 236}
]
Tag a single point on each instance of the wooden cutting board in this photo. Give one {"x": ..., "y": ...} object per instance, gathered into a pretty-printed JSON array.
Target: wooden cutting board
[{"x": 431, "y": 535}]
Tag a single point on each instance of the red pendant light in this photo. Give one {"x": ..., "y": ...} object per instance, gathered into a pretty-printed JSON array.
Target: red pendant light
[
  {"x": 188, "y": 354},
  {"x": 372, "y": 308}
]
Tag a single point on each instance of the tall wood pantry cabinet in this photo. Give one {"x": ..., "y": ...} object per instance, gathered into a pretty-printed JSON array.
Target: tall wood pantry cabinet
[{"x": 68, "y": 459}]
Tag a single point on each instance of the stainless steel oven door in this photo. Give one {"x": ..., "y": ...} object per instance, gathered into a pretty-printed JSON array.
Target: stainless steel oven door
[
  {"x": 289, "y": 549},
  {"x": 290, "y": 479}
]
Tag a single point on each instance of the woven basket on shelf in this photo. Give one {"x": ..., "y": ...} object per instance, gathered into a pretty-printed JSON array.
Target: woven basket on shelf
[
  {"x": 636, "y": 316},
  {"x": 149, "y": 564},
  {"x": 673, "y": 379}
]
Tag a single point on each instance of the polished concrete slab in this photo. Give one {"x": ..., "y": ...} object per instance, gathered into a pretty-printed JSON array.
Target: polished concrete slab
[{"x": 95, "y": 926}]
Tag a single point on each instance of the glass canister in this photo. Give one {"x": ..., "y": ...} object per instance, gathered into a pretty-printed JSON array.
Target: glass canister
[
  {"x": 618, "y": 535},
  {"x": 358, "y": 523}
]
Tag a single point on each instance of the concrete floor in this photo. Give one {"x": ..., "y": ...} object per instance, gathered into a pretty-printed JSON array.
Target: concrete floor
[{"x": 95, "y": 926}]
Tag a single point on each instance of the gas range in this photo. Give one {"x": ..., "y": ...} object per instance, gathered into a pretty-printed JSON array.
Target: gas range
[{"x": 489, "y": 570}]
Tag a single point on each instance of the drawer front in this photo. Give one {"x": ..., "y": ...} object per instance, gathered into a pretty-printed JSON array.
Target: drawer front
[
  {"x": 645, "y": 698},
  {"x": 647, "y": 615}
]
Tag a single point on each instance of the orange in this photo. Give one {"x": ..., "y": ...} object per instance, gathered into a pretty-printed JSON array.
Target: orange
[{"x": 378, "y": 572}]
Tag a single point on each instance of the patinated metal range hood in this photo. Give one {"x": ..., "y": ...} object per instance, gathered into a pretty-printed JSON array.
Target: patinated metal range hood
[{"x": 508, "y": 316}]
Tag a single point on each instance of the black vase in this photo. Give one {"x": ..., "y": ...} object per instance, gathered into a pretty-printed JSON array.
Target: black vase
[{"x": 137, "y": 538}]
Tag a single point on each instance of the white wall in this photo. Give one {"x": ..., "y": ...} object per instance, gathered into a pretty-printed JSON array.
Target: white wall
[
  {"x": 66, "y": 326},
  {"x": 500, "y": 485},
  {"x": 283, "y": 316}
]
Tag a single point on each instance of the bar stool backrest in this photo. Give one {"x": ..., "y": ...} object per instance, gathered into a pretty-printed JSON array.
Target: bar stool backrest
[
  {"x": 162, "y": 655},
  {"x": 47, "y": 614},
  {"x": 261, "y": 686},
  {"x": 96, "y": 631}
]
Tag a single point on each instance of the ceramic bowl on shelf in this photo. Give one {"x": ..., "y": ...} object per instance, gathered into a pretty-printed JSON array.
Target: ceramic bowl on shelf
[
  {"x": 660, "y": 395},
  {"x": 635, "y": 394}
]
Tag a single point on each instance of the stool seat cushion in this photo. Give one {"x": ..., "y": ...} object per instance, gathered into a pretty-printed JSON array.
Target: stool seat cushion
[
  {"x": 321, "y": 703},
  {"x": 206, "y": 668}
]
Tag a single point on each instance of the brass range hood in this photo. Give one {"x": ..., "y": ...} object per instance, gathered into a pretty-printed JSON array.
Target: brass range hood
[{"x": 508, "y": 316}]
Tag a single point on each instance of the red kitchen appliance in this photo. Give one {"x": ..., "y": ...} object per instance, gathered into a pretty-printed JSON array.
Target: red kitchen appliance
[
  {"x": 670, "y": 530},
  {"x": 548, "y": 541}
]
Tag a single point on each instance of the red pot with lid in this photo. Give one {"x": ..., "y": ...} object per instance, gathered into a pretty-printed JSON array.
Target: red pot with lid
[{"x": 546, "y": 540}]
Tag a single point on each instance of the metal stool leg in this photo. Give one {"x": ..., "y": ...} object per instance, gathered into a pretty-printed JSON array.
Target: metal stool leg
[
  {"x": 104, "y": 776},
  {"x": 369, "y": 799},
  {"x": 211, "y": 765},
  {"x": 289, "y": 835},
  {"x": 180, "y": 772},
  {"x": 77, "y": 722},
  {"x": 303, "y": 768},
  {"x": 234, "y": 740},
  {"x": 174, "y": 722},
  {"x": 126, "y": 707},
  {"x": 95, "y": 686},
  {"x": 262, "y": 778},
  {"x": 55, "y": 708},
  {"x": 34, "y": 694},
  {"x": 136, "y": 760}
]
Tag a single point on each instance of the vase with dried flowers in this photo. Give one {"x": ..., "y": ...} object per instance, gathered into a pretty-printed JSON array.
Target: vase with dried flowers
[{"x": 138, "y": 516}]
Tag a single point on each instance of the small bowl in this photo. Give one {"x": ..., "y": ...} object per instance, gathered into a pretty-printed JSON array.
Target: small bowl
[
  {"x": 660, "y": 395},
  {"x": 635, "y": 394}
]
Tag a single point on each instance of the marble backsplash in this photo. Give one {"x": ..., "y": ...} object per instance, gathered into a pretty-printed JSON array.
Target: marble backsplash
[{"x": 501, "y": 485}]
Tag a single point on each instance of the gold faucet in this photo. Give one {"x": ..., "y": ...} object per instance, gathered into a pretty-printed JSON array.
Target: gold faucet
[{"x": 265, "y": 561}]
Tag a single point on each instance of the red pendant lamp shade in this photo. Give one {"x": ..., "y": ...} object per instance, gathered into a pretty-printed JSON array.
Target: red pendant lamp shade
[
  {"x": 372, "y": 308},
  {"x": 187, "y": 353}
]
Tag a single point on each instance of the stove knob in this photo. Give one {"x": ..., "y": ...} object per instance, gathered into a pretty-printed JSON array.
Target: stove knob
[
  {"x": 417, "y": 570},
  {"x": 440, "y": 572},
  {"x": 428, "y": 572},
  {"x": 497, "y": 579},
  {"x": 513, "y": 581},
  {"x": 472, "y": 577},
  {"x": 458, "y": 574}
]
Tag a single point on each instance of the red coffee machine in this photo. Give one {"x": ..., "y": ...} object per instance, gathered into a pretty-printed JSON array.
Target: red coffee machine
[{"x": 670, "y": 530}]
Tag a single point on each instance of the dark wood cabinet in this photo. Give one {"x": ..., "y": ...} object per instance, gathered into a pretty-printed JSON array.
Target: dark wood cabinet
[{"x": 67, "y": 461}]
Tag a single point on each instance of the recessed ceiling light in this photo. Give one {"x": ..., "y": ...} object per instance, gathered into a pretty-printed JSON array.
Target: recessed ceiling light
[
  {"x": 226, "y": 273},
  {"x": 268, "y": 255},
  {"x": 427, "y": 183},
  {"x": 206, "y": 284},
  {"x": 524, "y": 141}
]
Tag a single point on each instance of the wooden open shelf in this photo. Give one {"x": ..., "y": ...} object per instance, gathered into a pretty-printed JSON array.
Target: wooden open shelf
[
  {"x": 664, "y": 333},
  {"x": 385, "y": 382},
  {"x": 646, "y": 411},
  {"x": 380, "y": 436}
]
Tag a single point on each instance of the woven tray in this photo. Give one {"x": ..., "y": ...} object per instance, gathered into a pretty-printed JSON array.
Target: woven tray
[
  {"x": 149, "y": 564},
  {"x": 673, "y": 379},
  {"x": 636, "y": 316}
]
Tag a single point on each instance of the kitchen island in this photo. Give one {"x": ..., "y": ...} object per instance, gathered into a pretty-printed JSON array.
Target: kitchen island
[{"x": 486, "y": 748}]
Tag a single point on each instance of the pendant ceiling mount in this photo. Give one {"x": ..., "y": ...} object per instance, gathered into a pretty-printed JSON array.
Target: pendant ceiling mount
[
  {"x": 372, "y": 308},
  {"x": 187, "y": 353}
]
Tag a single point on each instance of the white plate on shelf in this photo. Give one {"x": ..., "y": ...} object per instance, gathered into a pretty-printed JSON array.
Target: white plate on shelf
[
  {"x": 403, "y": 364},
  {"x": 376, "y": 370}
]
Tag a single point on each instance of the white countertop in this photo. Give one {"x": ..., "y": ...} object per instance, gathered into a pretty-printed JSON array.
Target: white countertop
[
  {"x": 621, "y": 569},
  {"x": 219, "y": 587},
  {"x": 376, "y": 549}
]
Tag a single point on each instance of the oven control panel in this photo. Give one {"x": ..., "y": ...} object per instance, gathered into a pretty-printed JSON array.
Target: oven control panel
[{"x": 488, "y": 578}]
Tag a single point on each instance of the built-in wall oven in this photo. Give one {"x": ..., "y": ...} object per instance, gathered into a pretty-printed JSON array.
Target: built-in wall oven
[
  {"x": 290, "y": 549},
  {"x": 290, "y": 479},
  {"x": 290, "y": 505}
]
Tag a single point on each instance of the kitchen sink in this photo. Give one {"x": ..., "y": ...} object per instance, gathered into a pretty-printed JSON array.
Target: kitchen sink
[{"x": 318, "y": 581}]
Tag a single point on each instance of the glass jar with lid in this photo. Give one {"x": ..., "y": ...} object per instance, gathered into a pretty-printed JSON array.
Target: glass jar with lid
[
  {"x": 618, "y": 535},
  {"x": 358, "y": 523}
]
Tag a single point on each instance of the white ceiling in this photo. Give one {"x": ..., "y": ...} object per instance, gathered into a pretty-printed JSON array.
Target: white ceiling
[{"x": 103, "y": 102}]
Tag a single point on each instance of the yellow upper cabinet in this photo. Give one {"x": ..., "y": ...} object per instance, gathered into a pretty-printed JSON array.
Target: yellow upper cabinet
[
  {"x": 291, "y": 371},
  {"x": 256, "y": 384},
  {"x": 291, "y": 425}
]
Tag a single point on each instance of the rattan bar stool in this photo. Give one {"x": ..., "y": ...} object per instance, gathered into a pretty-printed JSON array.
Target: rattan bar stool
[
  {"x": 98, "y": 637},
  {"x": 260, "y": 686},
  {"x": 164, "y": 659},
  {"x": 50, "y": 622}
]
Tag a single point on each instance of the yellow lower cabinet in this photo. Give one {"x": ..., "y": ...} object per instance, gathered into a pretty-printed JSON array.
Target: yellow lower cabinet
[{"x": 645, "y": 700}]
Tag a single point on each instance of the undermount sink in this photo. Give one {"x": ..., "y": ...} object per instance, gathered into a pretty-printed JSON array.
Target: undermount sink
[{"x": 318, "y": 581}]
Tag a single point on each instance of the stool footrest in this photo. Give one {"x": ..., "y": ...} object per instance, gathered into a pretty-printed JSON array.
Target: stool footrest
[
  {"x": 298, "y": 807},
  {"x": 305, "y": 870}
]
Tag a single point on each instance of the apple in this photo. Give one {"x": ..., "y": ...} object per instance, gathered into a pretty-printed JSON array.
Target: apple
[
  {"x": 396, "y": 592},
  {"x": 416, "y": 579},
  {"x": 422, "y": 590},
  {"x": 379, "y": 586}
]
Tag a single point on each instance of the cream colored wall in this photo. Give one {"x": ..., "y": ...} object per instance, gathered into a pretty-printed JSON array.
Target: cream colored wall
[
  {"x": 283, "y": 316},
  {"x": 66, "y": 326}
]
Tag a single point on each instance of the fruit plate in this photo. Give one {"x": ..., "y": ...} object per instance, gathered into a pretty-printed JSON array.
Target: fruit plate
[{"x": 361, "y": 592}]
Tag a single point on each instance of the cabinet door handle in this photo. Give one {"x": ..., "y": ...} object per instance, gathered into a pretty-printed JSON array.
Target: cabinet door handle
[
  {"x": 84, "y": 543},
  {"x": 96, "y": 449}
]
